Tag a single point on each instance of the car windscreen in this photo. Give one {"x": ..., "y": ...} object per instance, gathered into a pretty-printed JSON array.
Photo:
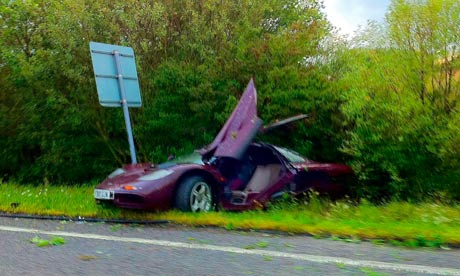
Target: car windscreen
[
  {"x": 194, "y": 158},
  {"x": 290, "y": 155}
]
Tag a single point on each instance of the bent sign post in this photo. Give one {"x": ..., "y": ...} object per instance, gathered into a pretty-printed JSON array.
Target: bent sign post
[{"x": 116, "y": 81}]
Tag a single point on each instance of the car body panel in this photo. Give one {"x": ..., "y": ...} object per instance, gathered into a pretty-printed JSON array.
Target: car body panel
[
  {"x": 156, "y": 194},
  {"x": 325, "y": 178},
  {"x": 279, "y": 123},
  {"x": 331, "y": 169},
  {"x": 240, "y": 128}
]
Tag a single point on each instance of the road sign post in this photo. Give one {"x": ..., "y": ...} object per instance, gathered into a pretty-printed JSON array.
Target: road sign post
[{"x": 116, "y": 80}]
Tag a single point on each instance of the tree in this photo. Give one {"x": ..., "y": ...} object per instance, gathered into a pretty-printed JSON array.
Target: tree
[
  {"x": 194, "y": 59},
  {"x": 401, "y": 102},
  {"x": 426, "y": 35}
]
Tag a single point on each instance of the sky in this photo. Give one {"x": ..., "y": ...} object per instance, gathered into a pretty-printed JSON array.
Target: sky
[{"x": 347, "y": 15}]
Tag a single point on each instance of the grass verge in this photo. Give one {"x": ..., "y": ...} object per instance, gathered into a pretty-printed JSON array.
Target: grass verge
[{"x": 398, "y": 223}]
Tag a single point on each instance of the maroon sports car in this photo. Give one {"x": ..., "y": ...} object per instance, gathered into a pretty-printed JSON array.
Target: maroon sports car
[{"x": 232, "y": 172}]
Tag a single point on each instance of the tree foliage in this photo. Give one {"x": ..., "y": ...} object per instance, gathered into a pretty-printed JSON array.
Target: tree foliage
[
  {"x": 402, "y": 102},
  {"x": 193, "y": 57}
]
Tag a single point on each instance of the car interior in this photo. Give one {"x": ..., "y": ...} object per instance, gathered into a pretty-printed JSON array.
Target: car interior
[{"x": 258, "y": 169}]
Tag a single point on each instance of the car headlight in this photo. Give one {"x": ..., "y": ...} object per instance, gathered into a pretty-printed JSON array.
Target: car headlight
[
  {"x": 116, "y": 172},
  {"x": 156, "y": 175}
]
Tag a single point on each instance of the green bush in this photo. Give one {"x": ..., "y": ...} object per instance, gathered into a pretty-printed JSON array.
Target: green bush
[{"x": 194, "y": 59}]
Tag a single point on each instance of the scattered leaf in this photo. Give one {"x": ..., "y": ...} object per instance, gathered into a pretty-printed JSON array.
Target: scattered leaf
[
  {"x": 42, "y": 242},
  {"x": 268, "y": 258},
  {"x": 87, "y": 257},
  {"x": 262, "y": 244},
  {"x": 250, "y": 246},
  {"x": 58, "y": 241},
  {"x": 370, "y": 272},
  {"x": 35, "y": 239},
  {"x": 115, "y": 227}
]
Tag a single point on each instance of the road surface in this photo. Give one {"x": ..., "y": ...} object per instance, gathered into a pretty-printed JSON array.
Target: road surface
[{"x": 113, "y": 249}]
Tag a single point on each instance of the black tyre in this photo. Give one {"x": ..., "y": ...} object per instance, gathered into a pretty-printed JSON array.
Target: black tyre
[{"x": 194, "y": 195}]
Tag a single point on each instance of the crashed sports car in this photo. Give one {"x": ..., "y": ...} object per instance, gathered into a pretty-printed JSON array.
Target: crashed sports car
[{"x": 232, "y": 173}]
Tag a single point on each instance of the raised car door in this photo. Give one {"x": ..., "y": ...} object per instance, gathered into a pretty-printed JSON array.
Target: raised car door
[{"x": 239, "y": 130}]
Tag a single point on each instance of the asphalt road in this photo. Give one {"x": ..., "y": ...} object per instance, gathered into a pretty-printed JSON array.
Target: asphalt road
[{"x": 111, "y": 249}]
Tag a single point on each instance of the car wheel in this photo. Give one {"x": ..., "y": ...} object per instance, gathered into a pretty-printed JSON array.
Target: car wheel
[{"x": 194, "y": 195}]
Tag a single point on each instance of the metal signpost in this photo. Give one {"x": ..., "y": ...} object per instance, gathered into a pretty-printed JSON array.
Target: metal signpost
[{"x": 116, "y": 80}]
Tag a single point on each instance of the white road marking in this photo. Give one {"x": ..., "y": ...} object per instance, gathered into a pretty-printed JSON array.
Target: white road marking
[{"x": 231, "y": 249}]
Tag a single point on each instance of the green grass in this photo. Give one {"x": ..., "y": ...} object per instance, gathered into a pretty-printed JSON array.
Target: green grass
[{"x": 398, "y": 223}]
